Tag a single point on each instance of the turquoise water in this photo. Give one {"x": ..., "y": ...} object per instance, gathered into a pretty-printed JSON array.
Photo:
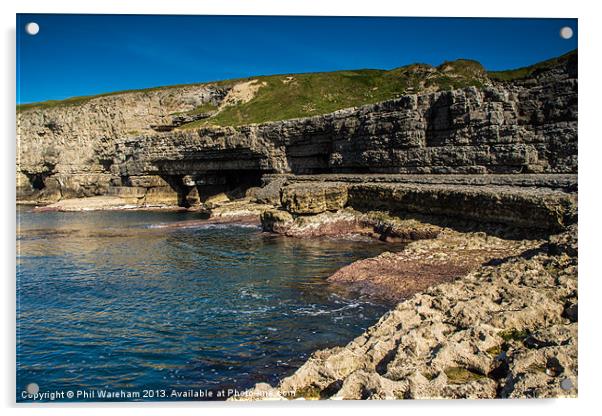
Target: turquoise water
[{"x": 119, "y": 301}]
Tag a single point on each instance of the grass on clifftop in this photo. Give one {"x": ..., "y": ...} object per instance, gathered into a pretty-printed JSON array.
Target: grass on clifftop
[
  {"x": 527, "y": 71},
  {"x": 281, "y": 97},
  {"x": 300, "y": 95},
  {"x": 284, "y": 97},
  {"x": 83, "y": 99}
]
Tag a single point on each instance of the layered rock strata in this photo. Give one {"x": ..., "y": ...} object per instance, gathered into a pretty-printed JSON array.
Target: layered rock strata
[
  {"x": 67, "y": 151},
  {"x": 84, "y": 150},
  {"x": 519, "y": 206}
]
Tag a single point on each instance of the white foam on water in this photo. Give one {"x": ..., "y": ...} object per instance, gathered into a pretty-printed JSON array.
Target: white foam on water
[
  {"x": 312, "y": 311},
  {"x": 175, "y": 226}
]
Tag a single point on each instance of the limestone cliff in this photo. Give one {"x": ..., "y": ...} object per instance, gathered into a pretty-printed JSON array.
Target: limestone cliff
[
  {"x": 130, "y": 144},
  {"x": 67, "y": 150}
]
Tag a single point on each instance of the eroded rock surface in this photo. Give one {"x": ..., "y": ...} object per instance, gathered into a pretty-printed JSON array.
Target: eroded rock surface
[
  {"x": 397, "y": 275},
  {"x": 500, "y": 331},
  {"x": 314, "y": 198},
  {"x": 480, "y": 316},
  {"x": 68, "y": 151},
  {"x": 517, "y": 206}
]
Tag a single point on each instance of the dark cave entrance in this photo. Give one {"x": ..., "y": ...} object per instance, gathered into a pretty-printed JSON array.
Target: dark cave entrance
[
  {"x": 197, "y": 188},
  {"x": 233, "y": 183},
  {"x": 177, "y": 183},
  {"x": 242, "y": 180},
  {"x": 37, "y": 180}
]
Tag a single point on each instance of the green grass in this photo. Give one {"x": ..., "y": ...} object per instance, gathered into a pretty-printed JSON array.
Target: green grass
[
  {"x": 302, "y": 95},
  {"x": 527, "y": 71},
  {"x": 60, "y": 103},
  {"x": 81, "y": 100},
  {"x": 203, "y": 108},
  {"x": 289, "y": 96},
  {"x": 310, "y": 94}
]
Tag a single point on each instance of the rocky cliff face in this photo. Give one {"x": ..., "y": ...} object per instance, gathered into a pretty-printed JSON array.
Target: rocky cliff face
[
  {"x": 67, "y": 151},
  {"x": 108, "y": 145},
  {"x": 524, "y": 207}
]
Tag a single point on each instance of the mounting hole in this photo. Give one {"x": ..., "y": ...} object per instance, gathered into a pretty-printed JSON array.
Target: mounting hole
[
  {"x": 566, "y": 384},
  {"x": 566, "y": 32},
  {"x": 32, "y": 28},
  {"x": 33, "y": 388}
]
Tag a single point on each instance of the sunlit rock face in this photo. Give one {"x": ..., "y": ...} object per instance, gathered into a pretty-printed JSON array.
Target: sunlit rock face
[
  {"x": 525, "y": 126},
  {"x": 68, "y": 151}
]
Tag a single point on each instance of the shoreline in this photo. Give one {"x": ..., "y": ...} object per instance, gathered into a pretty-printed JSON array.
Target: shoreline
[
  {"x": 476, "y": 175},
  {"x": 96, "y": 203},
  {"x": 505, "y": 330},
  {"x": 439, "y": 264}
]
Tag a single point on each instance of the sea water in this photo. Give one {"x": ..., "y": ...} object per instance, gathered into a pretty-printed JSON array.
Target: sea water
[{"x": 123, "y": 302}]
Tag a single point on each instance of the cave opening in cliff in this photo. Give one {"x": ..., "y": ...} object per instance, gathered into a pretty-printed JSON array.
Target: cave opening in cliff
[
  {"x": 180, "y": 187},
  {"x": 197, "y": 188},
  {"x": 37, "y": 180},
  {"x": 233, "y": 183},
  {"x": 240, "y": 181}
]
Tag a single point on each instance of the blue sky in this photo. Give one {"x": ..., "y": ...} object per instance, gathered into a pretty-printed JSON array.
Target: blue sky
[{"x": 75, "y": 55}]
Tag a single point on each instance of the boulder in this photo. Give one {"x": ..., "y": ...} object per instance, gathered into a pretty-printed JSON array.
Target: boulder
[
  {"x": 275, "y": 220},
  {"x": 314, "y": 198},
  {"x": 217, "y": 199},
  {"x": 268, "y": 194}
]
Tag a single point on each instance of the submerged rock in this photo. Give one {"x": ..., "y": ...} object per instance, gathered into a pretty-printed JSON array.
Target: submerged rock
[
  {"x": 395, "y": 276},
  {"x": 470, "y": 338}
]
